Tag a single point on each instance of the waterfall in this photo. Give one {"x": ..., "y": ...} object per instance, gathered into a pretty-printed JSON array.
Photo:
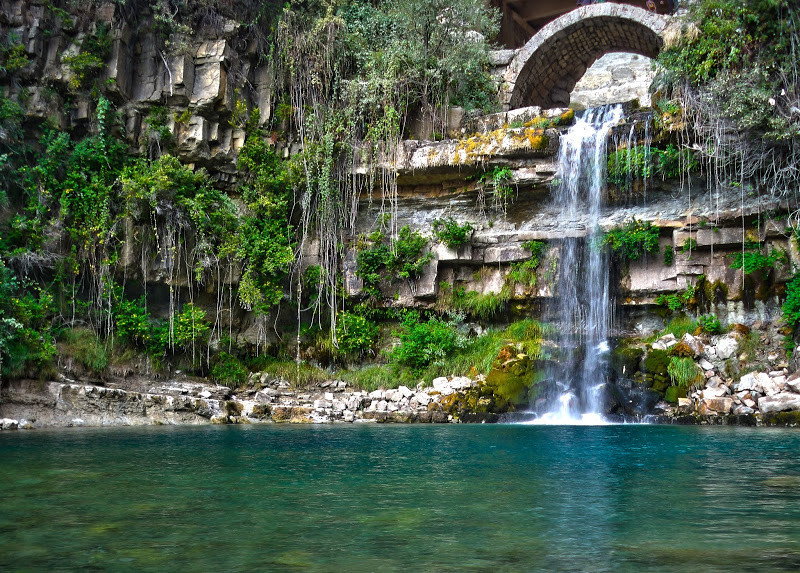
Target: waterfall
[{"x": 581, "y": 309}]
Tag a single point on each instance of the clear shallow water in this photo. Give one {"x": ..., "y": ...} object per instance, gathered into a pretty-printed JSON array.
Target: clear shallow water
[{"x": 410, "y": 498}]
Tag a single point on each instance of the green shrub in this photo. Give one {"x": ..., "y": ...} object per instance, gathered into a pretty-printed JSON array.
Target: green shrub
[
  {"x": 409, "y": 256},
  {"x": 478, "y": 305},
  {"x": 669, "y": 255},
  {"x": 228, "y": 371},
  {"x": 132, "y": 321},
  {"x": 423, "y": 343},
  {"x": 791, "y": 307},
  {"x": 355, "y": 334},
  {"x": 449, "y": 232},
  {"x": 752, "y": 259},
  {"x": 710, "y": 324},
  {"x": 684, "y": 372},
  {"x": 633, "y": 240},
  {"x": 87, "y": 349},
  {"x": 677, "y": 301},
  {"x": 524, "y": 272}
]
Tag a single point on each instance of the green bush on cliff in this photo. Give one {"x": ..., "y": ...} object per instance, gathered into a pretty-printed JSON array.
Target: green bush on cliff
[
  {"x": 791, "y": 307},
  {"x": 633, "y": 240},
  {"x": 228, "y": 370},
  {"x": 356, "y": 334},
  {"x": 451, "y": 233},
  {"x": 424, "y": 343}
]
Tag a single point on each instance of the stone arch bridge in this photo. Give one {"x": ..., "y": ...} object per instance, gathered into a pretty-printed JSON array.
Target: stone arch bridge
[{"x": 546, "y": 69}]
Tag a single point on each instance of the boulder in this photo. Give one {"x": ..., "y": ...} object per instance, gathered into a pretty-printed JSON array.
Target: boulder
[
  {"x": 694, "y": 344},
  {"x": 405, "y": 391},
  {"x": 705, "y": 364},
  {"x": 779, "y": 403},
  {"x": 726, "y": 348},
  {"x": 720, "y": 405},
  {"x": 9, "y": 424},
  {"x": 422, "y": 398}
]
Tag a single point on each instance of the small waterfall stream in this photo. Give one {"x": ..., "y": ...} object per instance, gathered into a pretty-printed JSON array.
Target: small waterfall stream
[{"x": 582, "y": 309}]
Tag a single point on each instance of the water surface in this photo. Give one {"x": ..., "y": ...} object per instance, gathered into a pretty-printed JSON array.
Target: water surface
[{"x": 401, "y": 498}]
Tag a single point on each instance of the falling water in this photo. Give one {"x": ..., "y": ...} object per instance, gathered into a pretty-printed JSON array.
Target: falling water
[{"x": 582, "y": 308}]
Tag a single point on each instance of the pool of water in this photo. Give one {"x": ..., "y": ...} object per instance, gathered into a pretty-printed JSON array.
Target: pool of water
[{"x": 401, "y": 498}]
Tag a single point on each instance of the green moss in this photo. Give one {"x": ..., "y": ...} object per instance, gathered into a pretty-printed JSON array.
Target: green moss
[
  {"x": 625, "y": 360},
  {"x": 673, "y": 393},
  {"x": 656, "y": 362}
]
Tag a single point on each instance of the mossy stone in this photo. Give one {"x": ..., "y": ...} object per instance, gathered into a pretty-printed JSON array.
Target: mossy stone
[
  {"x": 656, "y": 362},
  {"x": 673, "y": 393}
]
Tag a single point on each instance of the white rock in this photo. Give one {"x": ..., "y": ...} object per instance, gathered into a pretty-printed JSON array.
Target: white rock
[
  {"x": 348, "y": 416},
  {"x": 205, "y": 394},
  {"x": 706, "y": 365},
  {"x": 710, "y": 353},
  {"x": 440, "y": 384},
  {"x": 717, "y": 392},
  {"x": 405, "y": 391},
  {"x": 392, "y": 407},
  {"x": 423, "y": 398},
  {"x": 9, "y": 424},
  {"x": 321, "y": 404},
  {"x": 726, "y": 347},
  {"x": 461, "y": 383},
  {"x": 779, "y": 380},
  {"x": 794, "y": 385},
  {"x": 382, "y": 405},
  {"x": 749, "y": 402},
  {"x": 747, "y": 382},
  {"x": 329, "y": 395},
  {"x": 377, "y": 395},
  {"x": 779, "y": 403},
  {"x": 742, "y": 410}
]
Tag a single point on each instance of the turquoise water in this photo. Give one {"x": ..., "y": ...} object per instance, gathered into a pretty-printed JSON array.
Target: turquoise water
[{"x": 401, "y": 498}]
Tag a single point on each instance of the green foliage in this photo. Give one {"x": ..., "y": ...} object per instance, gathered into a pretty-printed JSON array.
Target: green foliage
[
  {"x": 689, "y": 245},
  {"x": 633, "y": 240},
  {"x": 710, "y": 324},
  {"x": 264, "y": 237},
  {"x": 669, "y": 255},
  {"x": 86, "y": 64},
  {"x": 131, "y": 320},
  {"x": 87, "y": 348},
  {"x": 356, "y": 334},
  {"x": 524, "y": 272},
  {"x": 449, "y": 232},
  {"x": 228, "y": 370},
  {"x": 753, "y": 259},
  {"x": 26, "y": 327},
  {"x": 677, "y": 301},
  {"x": 625, "y": 166},
  {"x": 423, "y": 343},
  {"x": 409, "y": 256},
  {"x": 791, "y": 307},
  {"x": 405, "y": 258},
  {"x": 684, "y": 372},
  {"x": 369, "y": 264},
  {"x": 475, "y": 304},
  {"x": 12, "y": 55},
  {"x": 189, "y": 327},
  {"x": 742, "y": 54}
]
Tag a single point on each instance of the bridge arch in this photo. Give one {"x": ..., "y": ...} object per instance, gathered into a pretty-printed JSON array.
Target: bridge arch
[{"x": 546, "y": 69}]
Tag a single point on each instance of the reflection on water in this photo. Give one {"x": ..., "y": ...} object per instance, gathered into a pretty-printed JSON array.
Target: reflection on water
[{"x": 391, "y": 498}]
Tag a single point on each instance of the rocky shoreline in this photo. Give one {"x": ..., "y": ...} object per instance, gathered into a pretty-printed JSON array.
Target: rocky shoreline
[{"x": 758, "y": 399}]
